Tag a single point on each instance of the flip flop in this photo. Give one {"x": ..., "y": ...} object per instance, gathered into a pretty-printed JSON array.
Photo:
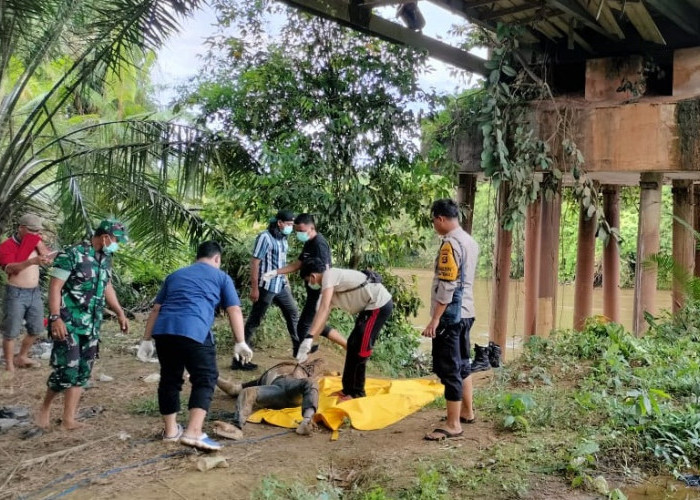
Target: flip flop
[
  {"x": 442, "y": 435},
  {"x": 462, "y": 420}
]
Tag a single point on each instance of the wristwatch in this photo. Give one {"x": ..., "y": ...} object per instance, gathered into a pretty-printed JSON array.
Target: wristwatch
[{"x": 54, "y": 317}]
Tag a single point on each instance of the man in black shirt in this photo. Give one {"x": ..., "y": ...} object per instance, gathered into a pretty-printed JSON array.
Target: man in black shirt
[{"x": 315, "y": 247}]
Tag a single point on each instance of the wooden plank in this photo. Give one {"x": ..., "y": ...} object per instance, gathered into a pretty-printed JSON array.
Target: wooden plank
[
  {"x": 642, "y": 21},
  {"x": 479, "y": 3},
  {"x": 362, "y": 19},
  {"x": 680, "y": 12},
  {"x": 527, "y": 6},
  {"x": 600, "y": 10},
  {"x": 382, "y": 3},
  {"x": 548, "y": 30},
  {"x": 472, "y": 15},
  {"x": 573, "y": 8},
  {"x": 564, "y": 27}
]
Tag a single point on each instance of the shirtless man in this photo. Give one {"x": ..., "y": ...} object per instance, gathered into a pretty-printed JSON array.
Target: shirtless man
[{"x": 20, "y": 256}]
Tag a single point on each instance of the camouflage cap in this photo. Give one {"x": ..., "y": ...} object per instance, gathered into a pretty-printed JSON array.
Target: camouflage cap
[{"x": 114, "y": 228}]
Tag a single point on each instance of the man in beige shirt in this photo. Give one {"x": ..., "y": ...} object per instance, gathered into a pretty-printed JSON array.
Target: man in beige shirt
[
  {"x": 356, "y": 293},
  {"x": 20, "y": 256}
]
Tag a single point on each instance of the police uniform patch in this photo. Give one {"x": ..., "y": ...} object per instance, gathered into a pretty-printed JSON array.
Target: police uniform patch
[{"x": 447, "y": 267}]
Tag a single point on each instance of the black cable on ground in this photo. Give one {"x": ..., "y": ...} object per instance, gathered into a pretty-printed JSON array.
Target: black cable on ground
[{"x": 116, "y": 470}]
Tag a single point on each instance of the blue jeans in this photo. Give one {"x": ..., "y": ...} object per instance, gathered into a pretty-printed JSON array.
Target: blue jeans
[
  {"x": 285, "y": 301},
  {"x": 23, "y": 304}
]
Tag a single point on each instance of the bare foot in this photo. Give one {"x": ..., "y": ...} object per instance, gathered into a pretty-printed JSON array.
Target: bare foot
[
  {"x": 43, "y": 419},
  {"x": 71, "y": 425},
  {"x": 26, "y": 362}
]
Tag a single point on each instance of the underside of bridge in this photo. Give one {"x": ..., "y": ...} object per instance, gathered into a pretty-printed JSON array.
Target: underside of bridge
[{"x": 646, "y": 135}]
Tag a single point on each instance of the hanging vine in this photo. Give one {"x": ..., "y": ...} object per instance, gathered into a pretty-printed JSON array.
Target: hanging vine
[{"x": 514, "y": 152}]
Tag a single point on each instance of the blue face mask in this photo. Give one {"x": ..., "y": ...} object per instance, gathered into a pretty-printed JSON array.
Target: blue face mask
[
  {"x": 314, "y": 286},
  {"x": 111, "y": 248},
  {"x": 302, "y": 236},
  {"x": 287, "y": 230}
]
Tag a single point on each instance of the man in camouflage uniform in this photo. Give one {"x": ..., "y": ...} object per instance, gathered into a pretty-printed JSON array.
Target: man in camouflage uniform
[{"x": 79, "y": 289}]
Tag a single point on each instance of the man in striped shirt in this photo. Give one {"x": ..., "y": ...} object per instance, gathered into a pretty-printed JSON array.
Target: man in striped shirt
[{"x": 269, "y": 254}]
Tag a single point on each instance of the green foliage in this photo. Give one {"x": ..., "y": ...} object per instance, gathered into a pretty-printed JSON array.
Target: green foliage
[
  {"x": 641, "y": 388},
  {"x": 515, "y": 406},
  {"x": 79, "y": 138},
  {"x": 272, "y": 488},
  {"x": 431, "y": 485},
  {"x": 324, "y": 113},
  {"x": 148, "y": 406}
]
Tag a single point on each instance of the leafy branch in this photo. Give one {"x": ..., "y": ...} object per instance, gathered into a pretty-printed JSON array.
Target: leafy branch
[{"x": 514, "y": 152}]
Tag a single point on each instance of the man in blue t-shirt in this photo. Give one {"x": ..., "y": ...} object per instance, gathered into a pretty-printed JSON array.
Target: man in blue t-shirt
[{"x": 180, "y": 323}]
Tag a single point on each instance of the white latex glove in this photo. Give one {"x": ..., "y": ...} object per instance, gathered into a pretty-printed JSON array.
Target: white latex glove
[
  {"x": 269, "y": 275},
  {"x": 146, "y": 351},
  {"x": 242, "y": 352},
  {"x": 304, "y": 349}
]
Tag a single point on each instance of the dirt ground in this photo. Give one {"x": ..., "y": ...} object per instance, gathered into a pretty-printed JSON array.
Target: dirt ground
[{"x": 120, "y": 455}]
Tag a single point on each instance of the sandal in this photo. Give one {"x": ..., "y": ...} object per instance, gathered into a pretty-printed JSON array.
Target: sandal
[
  {"x": 176, "y": 437},
  {"x": 441, "y": 435},
  {"x": 203, "y": 443}
]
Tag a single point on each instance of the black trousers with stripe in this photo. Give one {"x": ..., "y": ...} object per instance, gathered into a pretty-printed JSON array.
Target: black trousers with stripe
[{"x": 368, "y": 324}]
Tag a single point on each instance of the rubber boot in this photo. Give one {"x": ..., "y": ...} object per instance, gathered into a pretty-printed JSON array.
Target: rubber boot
[
  {"x": 494, "y": 354},
  {"x": 481, "y": 359}
]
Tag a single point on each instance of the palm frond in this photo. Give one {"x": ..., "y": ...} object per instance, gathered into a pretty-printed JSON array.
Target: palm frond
[{"x": 142, "y": 174}]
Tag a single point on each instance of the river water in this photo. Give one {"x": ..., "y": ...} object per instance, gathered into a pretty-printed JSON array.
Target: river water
[{"x": 482, "y": 298}]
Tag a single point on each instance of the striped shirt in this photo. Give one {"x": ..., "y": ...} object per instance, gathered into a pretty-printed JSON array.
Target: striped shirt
[{"x": 273, "y": 255}]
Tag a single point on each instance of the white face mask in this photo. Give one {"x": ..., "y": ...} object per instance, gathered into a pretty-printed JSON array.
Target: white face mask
[{"x": 287, "y": 230}]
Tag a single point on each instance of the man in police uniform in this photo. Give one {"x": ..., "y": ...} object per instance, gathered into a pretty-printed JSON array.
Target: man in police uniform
[
  {"x": 79, "y": 288},
  {"x": 452, "y": 315}
]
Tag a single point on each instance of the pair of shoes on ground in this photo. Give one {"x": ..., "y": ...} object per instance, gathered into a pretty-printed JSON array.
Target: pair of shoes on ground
[
  {"x": 237, "y": 365},
  {"x": 203, "y": 442},
  {"x": 486, "y": 357}
]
